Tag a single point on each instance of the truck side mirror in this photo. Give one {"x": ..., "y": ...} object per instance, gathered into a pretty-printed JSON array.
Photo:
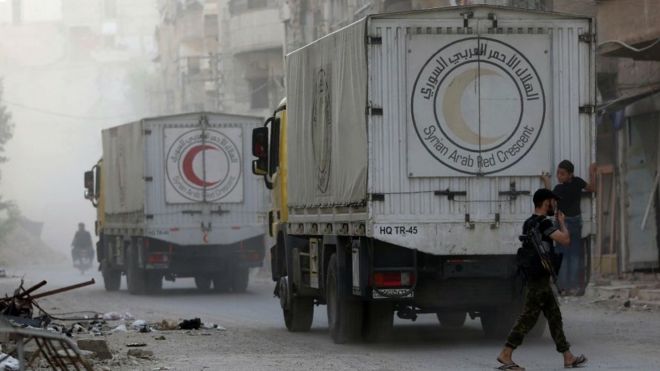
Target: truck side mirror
[
  {"x": 89, "y": 185},
  {"x": 260, "y": 150}
]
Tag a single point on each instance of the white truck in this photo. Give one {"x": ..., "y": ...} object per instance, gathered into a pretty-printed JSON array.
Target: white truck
[
  {"x": 173, "y": 201},
  {"x": 403, "y": 162}
]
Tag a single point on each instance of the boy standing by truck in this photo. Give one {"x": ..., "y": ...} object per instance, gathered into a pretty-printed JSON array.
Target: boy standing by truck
[
  {"x": 573, "y": 272},
  {"x": 538, "y": 292}
]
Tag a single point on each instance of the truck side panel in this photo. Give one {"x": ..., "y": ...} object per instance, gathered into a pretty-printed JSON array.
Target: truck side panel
[{"x": 123, "y": 175}]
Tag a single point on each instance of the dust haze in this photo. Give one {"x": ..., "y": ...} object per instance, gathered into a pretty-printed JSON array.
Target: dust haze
[{"x": 67, "y": 74}]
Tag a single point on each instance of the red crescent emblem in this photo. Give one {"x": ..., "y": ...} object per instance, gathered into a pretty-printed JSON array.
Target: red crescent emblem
[{"x": 188, "y": 170}]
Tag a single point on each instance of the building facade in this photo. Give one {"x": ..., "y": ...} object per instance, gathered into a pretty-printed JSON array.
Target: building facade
[
  {"x": 219, "y": 55},
  {"x": 628, "y": 43}
]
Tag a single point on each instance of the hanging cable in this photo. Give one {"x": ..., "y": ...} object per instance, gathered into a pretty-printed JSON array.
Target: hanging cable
[{"x": 629, "y": 47}]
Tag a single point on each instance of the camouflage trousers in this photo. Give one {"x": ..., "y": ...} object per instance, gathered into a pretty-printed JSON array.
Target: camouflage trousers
[{"x": 539, "y": 298}]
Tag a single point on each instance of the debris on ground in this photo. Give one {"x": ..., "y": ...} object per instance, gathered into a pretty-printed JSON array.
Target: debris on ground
[
  {"x": 191, "y": 324},
  {"x": 141, "y": 326},
  {"x": 214, "y": 326},
  {"x": 120, "y": 328},
  {"x": 140, "y": 353},
  {"x": 168, "y": 324},
  {"x": 54, "y": 351},
  {"x": 136, "y": 345},
  {"x": 22, "y": 312},
  {"x": 115, "y": 316},
  {"x": 8, "y": 363},
  {"x": 99, "y": 348}
]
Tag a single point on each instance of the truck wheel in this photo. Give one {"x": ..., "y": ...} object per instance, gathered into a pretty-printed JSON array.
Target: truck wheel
[
  {"x": 298, "y": 312},
  {"x": 344, "y": 314},
  {"x": 135, "y": 277},
  {"x": 497, "y": 323},
  {"x": 221, "y": 282},
  {"x": 203, "y": 283},
  {"x": 451, "y": 319},
  {"x": 111, "y": 277},
  {"x": 153, "y": 282},
  {"x": 378, "y": 321},
  {"x": 239, "y": 279}
]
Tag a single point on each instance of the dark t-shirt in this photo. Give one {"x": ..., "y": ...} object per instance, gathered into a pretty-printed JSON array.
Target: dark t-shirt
[
  {"x": 547, "y": 227},
  {"x": 570, "y": 194}
]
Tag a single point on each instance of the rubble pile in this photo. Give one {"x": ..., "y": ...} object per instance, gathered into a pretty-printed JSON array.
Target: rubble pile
[{"x": 87, "y": 333}]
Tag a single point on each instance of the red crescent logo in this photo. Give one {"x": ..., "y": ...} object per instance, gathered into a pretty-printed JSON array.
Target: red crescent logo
[{"x": 188, "y": 170}]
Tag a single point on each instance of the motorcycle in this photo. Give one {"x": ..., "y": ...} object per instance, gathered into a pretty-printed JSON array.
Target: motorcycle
[{"x": 84, "y": 260}]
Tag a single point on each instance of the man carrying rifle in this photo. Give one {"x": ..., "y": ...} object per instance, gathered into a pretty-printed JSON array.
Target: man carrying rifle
[{"x": 539, "y": 266}]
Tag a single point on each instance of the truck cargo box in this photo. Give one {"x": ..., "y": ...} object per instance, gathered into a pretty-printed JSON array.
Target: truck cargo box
[
  {"x": 429, "y": 130},
  {"x": 181, "y": 179}
]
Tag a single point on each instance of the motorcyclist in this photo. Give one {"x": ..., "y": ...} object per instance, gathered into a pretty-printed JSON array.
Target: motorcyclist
[{"x": 82, "y": 242}]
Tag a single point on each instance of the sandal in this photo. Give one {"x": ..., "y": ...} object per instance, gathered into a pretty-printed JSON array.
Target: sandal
[
  {"x": 509, "y": 366},
  {"x": 578, "y": 362}
]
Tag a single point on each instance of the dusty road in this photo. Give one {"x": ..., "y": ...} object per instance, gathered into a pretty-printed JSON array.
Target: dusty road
[{"x": 255, "y": 338}]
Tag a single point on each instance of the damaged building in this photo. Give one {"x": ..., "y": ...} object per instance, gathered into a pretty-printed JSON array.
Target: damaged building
[{"x": 219, "y": 55}]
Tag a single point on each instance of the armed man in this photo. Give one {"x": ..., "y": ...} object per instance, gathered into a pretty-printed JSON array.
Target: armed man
[{"x": 539, "y": 296}]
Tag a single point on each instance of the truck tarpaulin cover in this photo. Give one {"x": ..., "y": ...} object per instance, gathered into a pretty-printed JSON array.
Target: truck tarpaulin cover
[
  {"x": 327, "y": 139},
  {"x": 123, "y": 152}
]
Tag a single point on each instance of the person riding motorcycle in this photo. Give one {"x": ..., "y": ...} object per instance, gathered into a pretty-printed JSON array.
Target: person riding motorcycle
[{"x": 82, "y": 242}]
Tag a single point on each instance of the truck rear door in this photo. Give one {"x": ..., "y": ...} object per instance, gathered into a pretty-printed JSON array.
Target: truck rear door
[{"x": 483, "y": 111}]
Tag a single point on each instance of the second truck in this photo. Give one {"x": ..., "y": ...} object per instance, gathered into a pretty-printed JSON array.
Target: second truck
[
  {"x": 173, "y": 200},
  {"x": 403, "y": 161}
]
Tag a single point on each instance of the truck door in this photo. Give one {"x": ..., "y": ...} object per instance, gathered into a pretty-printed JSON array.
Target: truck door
[{"x": 479, "y": 109}]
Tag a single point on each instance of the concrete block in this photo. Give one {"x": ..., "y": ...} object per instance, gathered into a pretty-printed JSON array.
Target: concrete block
[{"x": 97, "y": 346}]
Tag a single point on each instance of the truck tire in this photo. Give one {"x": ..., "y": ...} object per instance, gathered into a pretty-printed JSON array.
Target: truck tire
[
  {"x": 153, "y": 282},
  {"x": 135, "y": 276},
  {"x": 298, "y": 311},
  {"x": 451, "y": 319},
  {"x": 378, "y": 321},
  {"x": 221, "y": 282},
  {"x": 203, "y": 283},
  {"x": 240, "y": 279},
  {"x": 111, "y": 277},
  {"x": 344, "y": 314}
]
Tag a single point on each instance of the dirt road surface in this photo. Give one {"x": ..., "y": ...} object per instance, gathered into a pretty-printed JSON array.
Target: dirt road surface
[{"x": 612, "y": 337}]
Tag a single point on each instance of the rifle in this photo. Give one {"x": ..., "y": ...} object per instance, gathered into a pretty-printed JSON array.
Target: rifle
[{"x": 543, "y": 251}]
